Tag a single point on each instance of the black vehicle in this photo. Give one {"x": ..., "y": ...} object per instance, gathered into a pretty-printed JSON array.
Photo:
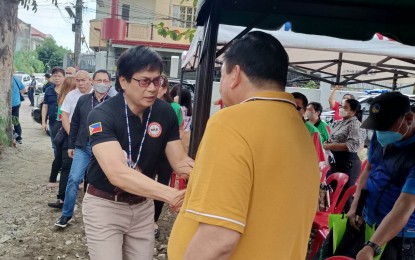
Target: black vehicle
[{"x": 37, "y": 110}]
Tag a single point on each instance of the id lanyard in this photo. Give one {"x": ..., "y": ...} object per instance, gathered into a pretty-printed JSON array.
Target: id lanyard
[
  {"x": 92, "y": 100},
  {"x": 129, "y": 161}
]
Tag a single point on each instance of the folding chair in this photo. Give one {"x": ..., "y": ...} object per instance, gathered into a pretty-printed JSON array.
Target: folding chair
[{"x": 182, "y": 182}]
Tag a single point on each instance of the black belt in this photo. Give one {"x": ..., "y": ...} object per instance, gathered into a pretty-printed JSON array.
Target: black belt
[{"x": 126, "y": 197}]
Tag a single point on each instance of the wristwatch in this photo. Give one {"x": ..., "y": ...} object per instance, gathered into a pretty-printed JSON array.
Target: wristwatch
[{"x": 377, "y": 249}]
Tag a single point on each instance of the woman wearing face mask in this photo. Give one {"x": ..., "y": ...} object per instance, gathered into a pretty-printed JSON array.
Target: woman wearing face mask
[
  {"x": 345, "y": 141},
  {"x": 334, "y": 105}
]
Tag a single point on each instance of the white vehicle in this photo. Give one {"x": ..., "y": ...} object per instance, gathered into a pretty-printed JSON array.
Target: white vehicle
[
  {"x": 40, "y": 81},
  {"x": 24, "y": 78}
]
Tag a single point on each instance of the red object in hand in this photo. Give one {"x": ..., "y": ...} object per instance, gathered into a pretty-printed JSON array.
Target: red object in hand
[{"x": 182, "y": 182}]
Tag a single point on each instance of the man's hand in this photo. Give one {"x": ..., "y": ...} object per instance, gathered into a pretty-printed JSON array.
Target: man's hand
[
  {"x": 177, "y": 201},
  {"x": 365, "y": 254},
  {"x": 355, "y": 221},
  {"x": 44, "y": 127},
  {"x": 71, "y": 153},
  {"x": 185, "y": 167}
]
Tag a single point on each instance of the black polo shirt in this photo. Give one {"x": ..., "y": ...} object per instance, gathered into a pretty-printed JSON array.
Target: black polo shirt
[
  {"x": 51, "y": 99},
  {"x": 79, "y": 134},
  {"x": 107, "y": 122}
]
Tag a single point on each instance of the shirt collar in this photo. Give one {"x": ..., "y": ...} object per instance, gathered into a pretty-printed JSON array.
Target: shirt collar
[
  {"x": 285, "y": 96},
  {"x": 120, "y": 101}
]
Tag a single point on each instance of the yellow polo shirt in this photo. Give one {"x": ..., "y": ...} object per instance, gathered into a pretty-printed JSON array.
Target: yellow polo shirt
[{"x": 256, "y": 172}]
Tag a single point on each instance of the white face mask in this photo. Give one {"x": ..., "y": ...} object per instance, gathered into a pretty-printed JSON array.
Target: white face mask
[
  {"x": 101, "y": 88},
  {"x": 342, "y": 112}
]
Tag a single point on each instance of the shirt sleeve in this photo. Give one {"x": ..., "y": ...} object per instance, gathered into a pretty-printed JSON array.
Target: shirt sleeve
[
  {"x": 354, "y": 137},
  {"x": 221, "y": 189},
  {"x": 67, "y": 103},
  {"x": 74, "y": 127},
  {"x": 409, "y": 186},
  {"x": 319, "y": 148},
  {"x": 101, "y": 129}
]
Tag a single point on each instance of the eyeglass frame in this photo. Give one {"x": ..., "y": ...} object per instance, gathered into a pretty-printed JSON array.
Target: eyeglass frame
[{"x": 149, "y": 82}]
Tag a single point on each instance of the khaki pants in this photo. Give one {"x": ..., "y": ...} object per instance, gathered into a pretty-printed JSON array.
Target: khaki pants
[{"x": 118, "y": 231}]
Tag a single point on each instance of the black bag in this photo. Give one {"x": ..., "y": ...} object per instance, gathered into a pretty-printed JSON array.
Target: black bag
[
  {"x": 60, "y": 136},
  {"x": 21, "y": 97}
]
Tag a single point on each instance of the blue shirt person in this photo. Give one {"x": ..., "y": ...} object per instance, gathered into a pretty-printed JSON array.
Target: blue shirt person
[{"x": 17, "y": 89}]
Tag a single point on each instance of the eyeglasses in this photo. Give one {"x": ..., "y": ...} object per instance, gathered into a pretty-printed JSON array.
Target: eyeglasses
[
  {"x": 106, "y": 81},
  {"x": 144, "y": 83}
]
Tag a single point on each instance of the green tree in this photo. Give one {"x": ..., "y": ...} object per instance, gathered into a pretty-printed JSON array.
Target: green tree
[
  {"x": 176, "y": 35},
  {"x": 28, "y": 62},
  {"x": 50, "y": 53},
  {"x": 8, "y": 29}
]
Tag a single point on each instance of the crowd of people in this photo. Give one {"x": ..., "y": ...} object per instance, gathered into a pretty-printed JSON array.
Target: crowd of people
[{"x": 253, "y": 188}]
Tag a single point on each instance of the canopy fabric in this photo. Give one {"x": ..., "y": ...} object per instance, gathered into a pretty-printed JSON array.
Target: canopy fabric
[
  {"x": 378, "y": 45},
  {"x": 347, "y": 19}
]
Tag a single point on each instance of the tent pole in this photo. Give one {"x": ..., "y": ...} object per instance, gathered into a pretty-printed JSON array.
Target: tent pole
[
  {"x": 395, "y": 82},
  {"x": 204, "y": 79},
  {"x": 339, "y": 68}
]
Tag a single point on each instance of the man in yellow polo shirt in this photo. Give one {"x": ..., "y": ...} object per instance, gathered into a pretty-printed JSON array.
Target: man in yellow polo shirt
[{"x": 254, "y": 189}]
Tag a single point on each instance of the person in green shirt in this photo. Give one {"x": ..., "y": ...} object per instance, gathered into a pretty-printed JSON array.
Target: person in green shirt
[{"x": 314, "y": 110}]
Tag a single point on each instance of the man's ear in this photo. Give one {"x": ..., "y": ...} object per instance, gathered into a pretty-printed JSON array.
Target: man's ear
[
  {"x": 410, "y": 118},
  {"x": 122, "y": 81},
  {"x": 235, "y": 76}
]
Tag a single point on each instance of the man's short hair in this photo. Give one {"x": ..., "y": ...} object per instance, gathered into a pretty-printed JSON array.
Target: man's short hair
[
  {"x": 101, "y": 71},
  {"x": 302, "y": 97},
  {"x": 261, "y": 57},
  {"x": 134, "y": 60},
  {"x": 57, "y": 70},
  {"x": 317, "y": 107}
]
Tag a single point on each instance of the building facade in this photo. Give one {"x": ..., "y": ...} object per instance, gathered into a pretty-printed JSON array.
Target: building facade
[{"x": 120, "y": 24}]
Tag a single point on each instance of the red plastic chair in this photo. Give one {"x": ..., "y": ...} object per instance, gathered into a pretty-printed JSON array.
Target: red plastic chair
[
  {"x": 182, "y": 182},
  {"x": 324, "y": 172},
  {"x": 341, "y": 179},
  {"x": 321, "y": 221},
  {"x": 321, "y": 218},
  {"x": 348, "y": 194},
  {"x": 364, "y": 164},
  {"x": 318, "y": 240}
]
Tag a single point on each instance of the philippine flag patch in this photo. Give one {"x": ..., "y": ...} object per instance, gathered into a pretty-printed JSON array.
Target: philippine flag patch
[{"x": 95, "y": 128}]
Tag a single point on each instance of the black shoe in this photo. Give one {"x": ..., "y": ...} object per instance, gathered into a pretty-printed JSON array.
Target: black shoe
[
  {"x": 57, "y": 205},
  {"x": 19, "y": 141},
  {"x": 63, "y": 221}
]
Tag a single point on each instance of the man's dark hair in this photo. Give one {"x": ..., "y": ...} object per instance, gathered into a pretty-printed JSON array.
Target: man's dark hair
[
  {"x": 355, "y": 107},
  {"x": 317, "y": 107},
  {"x": 261, "y": 57},
  {"x": 57, "y": 70},
  {"x": 134, "y": 60},
  {"x": 302, "y": 97},
  {"x": 101, "y": 71}
]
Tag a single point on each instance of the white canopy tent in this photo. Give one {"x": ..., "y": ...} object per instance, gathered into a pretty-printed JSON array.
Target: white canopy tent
[{"x": 393, "y": 58}]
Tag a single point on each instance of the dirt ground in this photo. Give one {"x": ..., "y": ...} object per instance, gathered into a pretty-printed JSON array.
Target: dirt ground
[{"x": 27, "y": 228}]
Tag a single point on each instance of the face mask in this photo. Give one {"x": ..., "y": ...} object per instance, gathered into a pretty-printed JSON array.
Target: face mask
[
  {"x": 342, "y": 112},
  {"x": 309, "y": 115},
  {"x": 386, "y": 138},
  {"x": 101, "y": 88}
]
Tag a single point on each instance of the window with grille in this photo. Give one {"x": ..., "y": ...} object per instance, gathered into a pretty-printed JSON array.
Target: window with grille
[{"x": 184, "y": 16}]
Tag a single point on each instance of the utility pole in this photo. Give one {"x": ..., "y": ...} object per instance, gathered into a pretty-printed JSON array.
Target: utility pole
[{"x": 78, "y": 31}]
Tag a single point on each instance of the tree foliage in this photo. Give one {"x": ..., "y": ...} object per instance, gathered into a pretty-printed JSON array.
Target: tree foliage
[
  {"x": 50, "y": 53},
  {"x": 33, "y": 4},
  {"x": 177, "y": 35},
  {"x": 28, "y": 62}
]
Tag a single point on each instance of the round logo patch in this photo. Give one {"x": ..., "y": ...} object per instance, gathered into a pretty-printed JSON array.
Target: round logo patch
[
  {"x": 375, "y": 108},
  {"x": 154, "y": 129}
]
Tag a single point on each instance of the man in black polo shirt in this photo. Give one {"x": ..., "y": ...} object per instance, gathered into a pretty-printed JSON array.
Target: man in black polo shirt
[
  {"x": 79, "y": 147},
  {"x": 129, "y": 133}
]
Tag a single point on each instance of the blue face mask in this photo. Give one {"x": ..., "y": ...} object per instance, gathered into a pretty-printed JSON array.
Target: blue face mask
[{"x": 386, "y": 138}]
